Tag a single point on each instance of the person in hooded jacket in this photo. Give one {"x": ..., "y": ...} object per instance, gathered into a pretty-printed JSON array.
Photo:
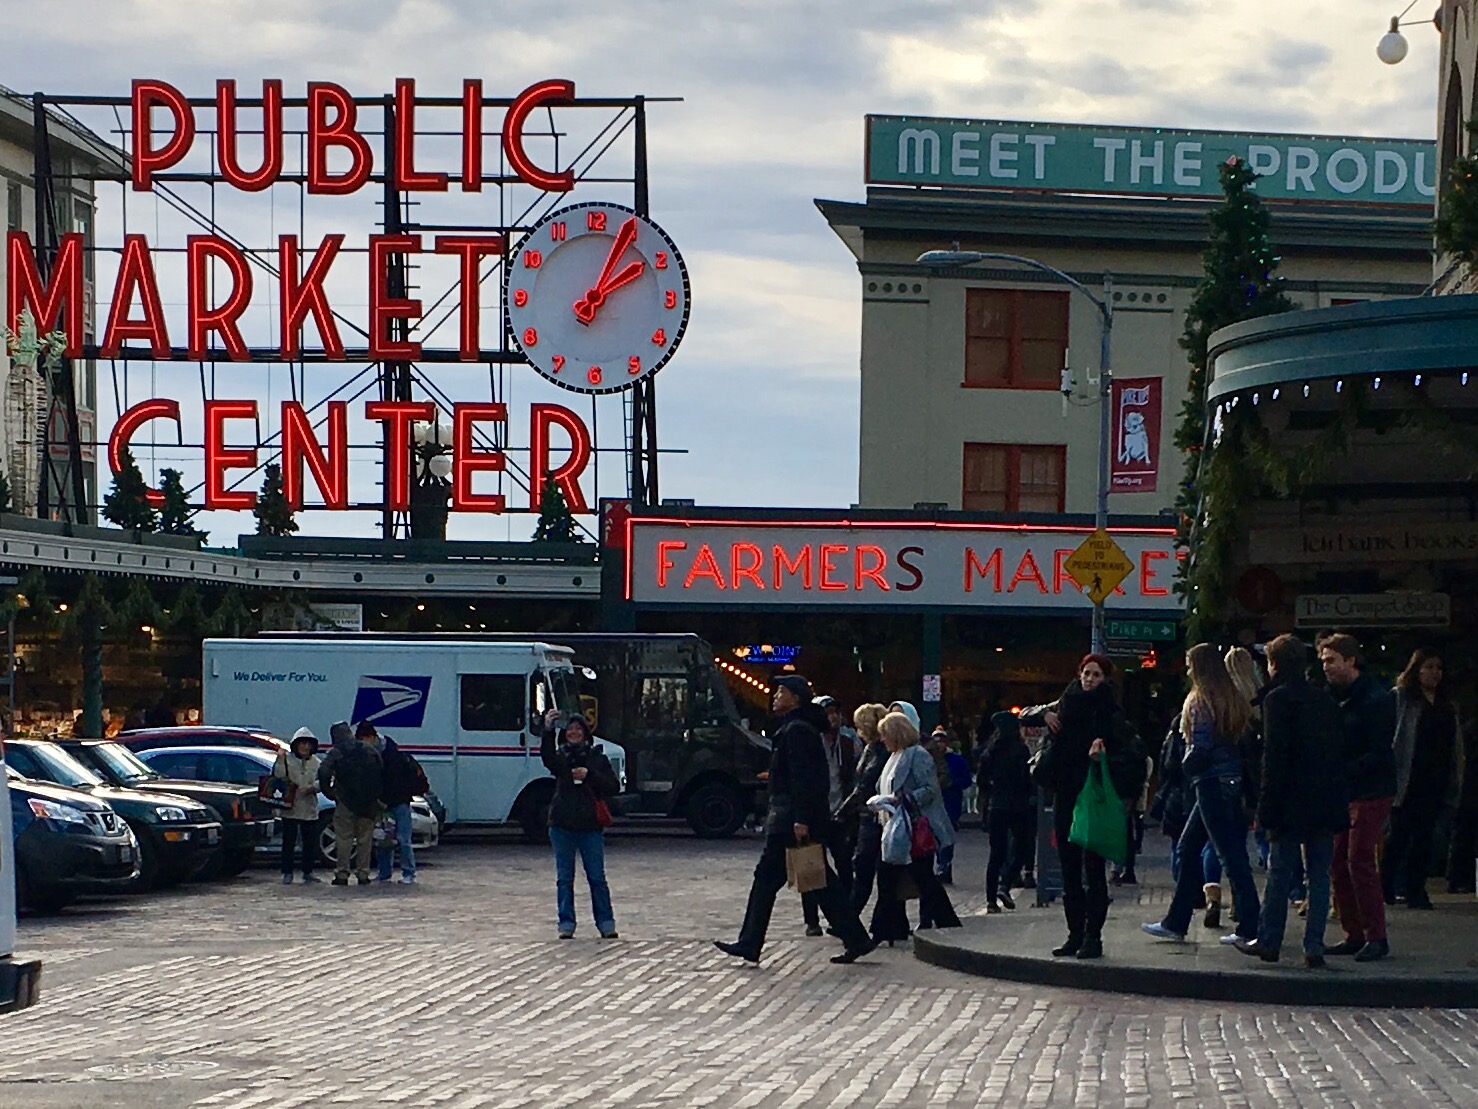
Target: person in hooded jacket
[
  {"x": 404, "y": 779},
  {"x": 353, "y": 778},
  {"x": 299, "y": 765},
  {"x": 799, "y": 813},
  {"x": 1086, "y": 724},
  {"x": 1007, "y": 794},
  {"x": 582, "y": 777}
]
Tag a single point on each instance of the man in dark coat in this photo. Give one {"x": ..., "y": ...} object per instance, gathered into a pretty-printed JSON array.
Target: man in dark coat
[
  {"x": 839, "y": 743},
  {"x": 799, "y": 813},
  {"x": 1302, "y": 804},
  {"x": 403, "y": 779},
  {"x": 352, "y": 776},
  {"x": 1367, "y": 712}
]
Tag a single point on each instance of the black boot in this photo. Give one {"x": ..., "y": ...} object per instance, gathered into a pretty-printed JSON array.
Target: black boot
[
  {"x": 1091, "y": 948},
  {"x": 1068, "y": 949}
]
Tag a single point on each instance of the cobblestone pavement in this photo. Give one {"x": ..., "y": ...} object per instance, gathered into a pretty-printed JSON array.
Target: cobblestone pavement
[{"x": 456, "y": 994}]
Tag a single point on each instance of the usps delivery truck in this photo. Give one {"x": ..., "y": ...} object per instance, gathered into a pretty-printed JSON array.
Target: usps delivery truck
[
  {"x": 20, "y": 980},
  {"x": 470, "y": 712}
]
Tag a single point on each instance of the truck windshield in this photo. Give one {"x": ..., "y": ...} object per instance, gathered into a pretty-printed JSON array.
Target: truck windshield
[
  {"x": 121, "y": 762},
  {"x": 566, "y": 692}
]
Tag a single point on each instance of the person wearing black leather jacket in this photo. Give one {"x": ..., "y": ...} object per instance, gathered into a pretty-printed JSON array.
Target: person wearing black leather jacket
[
  {"x": 854, "y": 808},
  {"x": 799, "y": 813},
  {"x": 583, "y": 778}
]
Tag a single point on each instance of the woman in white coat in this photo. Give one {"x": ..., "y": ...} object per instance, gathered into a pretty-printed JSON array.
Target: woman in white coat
[
  {"x": 299, "y": 765},
  {"x": 908, "y": 788}
]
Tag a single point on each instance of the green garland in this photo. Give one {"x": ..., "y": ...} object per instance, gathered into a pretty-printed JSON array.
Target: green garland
[
  {"x": 1456, "y": 226},
  {"x": 1245, "y": 466}
]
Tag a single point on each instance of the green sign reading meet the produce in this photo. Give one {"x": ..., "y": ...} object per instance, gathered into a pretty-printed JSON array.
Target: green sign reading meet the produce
[{"x": 1054, "y": 157}]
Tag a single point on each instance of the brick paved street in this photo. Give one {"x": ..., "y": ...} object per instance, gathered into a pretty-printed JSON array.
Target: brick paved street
[{"x": 456, "y": 994}]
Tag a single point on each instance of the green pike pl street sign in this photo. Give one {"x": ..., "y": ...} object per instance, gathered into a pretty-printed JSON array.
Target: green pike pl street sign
[{"x": 1145, "y": 631}]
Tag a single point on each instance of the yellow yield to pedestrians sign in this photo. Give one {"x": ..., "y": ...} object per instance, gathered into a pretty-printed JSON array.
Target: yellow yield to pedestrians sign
[{"x": 1098, "y": 566}]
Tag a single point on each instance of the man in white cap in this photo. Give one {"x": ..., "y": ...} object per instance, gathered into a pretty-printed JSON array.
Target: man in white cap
[{"x": 298, "y": 766}]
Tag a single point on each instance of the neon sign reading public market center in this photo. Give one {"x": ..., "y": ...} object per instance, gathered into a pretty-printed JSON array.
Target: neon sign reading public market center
[{"x": 338, "y": 161}]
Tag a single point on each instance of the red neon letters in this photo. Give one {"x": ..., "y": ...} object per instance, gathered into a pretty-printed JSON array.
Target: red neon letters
[
  {"x": 219, "y": 459},
  {"x": 384, "y": 309},
  {"x": 332, "y": 132},
  {"x": 200, "y": 249},
  {"x": 54, "y": 304},
  {"x": 160, "y": 408},
  {"x": 565, "y": 476},
  {"x": 135, "y": 278},
  {"x": 398, "y": 416},
  {"x": 330, "y": 469},
  {"x": 467, "y": 461}
]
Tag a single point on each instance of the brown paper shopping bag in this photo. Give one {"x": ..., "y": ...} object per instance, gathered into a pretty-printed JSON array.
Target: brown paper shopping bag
[{"x": 805, "y": 868}]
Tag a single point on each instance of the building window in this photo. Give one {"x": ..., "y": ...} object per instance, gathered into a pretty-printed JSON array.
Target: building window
[
  {"x": 12, "y": 206},
  {"x": 1015, "y": 338},
  {"x": 1001, "y": 477}
]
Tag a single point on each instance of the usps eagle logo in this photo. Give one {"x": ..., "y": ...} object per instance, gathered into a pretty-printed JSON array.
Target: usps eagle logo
[{"x": 391, "y": 702}]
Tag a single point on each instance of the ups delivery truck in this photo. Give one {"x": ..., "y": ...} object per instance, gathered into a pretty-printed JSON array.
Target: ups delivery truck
[{"x": 661, "y": 699}]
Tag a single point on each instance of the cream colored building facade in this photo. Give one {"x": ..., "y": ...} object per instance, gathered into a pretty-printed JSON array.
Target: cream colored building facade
[
  {"x": 77, "y": 155},
  {"x": 929, "y": 436}
]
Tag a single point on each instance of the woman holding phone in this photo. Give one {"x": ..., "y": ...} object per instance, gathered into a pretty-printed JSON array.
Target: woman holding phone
[{"x": 583, "y": 785}]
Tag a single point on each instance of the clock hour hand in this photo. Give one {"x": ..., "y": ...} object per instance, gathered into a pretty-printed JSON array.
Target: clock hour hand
[{"x": 586, "y": 306}]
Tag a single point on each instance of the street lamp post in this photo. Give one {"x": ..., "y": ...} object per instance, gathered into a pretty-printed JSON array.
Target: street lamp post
[{"x": 957, "y": 257}]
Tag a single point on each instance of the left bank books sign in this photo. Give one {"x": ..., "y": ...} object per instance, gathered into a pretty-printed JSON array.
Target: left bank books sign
[
  {"x": 875, "y": 564},
  {"x": 1144, "y": 161}
]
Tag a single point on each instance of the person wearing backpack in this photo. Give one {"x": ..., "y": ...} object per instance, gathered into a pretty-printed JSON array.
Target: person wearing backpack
[
  {"x": 403, "y": 779},
  {"x": 353, "y": 778}
]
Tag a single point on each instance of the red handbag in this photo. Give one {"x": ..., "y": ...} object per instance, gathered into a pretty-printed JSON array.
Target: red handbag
[
  {"x": 922, "y": 837},
  {"x": 603, "y": 813}
]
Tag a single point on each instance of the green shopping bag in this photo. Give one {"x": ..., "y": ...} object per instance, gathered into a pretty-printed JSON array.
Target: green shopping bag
[{"x": 1099, "y": 823}]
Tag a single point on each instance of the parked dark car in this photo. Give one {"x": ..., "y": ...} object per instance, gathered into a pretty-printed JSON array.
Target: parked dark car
[
  {"x": 66, "y": 843},
  {"x": 200, "y": 735},
  {"x": 247, "y": 824},
  {"x": 178, "y": 837}
]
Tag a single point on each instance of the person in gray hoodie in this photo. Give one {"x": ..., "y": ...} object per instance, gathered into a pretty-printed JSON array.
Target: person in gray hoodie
[{"x": 299, "y": 765}]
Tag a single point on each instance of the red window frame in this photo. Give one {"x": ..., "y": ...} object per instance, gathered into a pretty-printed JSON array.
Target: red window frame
[
  {"x": 1016, "y": 300},
  {"x": 1014, "y": 453}
]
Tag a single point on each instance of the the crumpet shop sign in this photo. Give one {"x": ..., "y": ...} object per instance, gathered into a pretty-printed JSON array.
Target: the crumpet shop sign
[
  {"x": 1145, "y": 161},
  {"x": 723, "y": 563}
]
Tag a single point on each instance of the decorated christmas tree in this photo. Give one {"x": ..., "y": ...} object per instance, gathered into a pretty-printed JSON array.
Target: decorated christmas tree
[
  {"x": 127, "y": 503},
  {"x": 274, "y": 515},
  {"x": 1240, "y": 282},
  {"x": 556, "y": 521},
  {"x": 175, "y": 515}
]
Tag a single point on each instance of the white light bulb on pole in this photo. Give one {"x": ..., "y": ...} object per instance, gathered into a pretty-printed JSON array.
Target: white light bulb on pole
[{"x": 440, "y": 465}]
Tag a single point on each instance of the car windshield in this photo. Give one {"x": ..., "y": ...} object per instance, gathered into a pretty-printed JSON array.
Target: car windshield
[
  {"x": 566, "y": 693},
  {"x": 63, "y": 769},
  {"x": 122, "y": 763}
]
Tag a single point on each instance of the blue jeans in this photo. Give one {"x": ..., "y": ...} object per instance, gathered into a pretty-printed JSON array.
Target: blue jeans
[
  {"x": 1217, "y": 816},
  {"x": 385, "y": 852},
  {"x": 1210, "y": 864},
  {"x": 591, "y": 847},
  {"x": 1286, "y": 858}
]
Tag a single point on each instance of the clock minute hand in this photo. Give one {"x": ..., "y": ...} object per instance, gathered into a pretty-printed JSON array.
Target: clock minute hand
[{"x": 586, "y": 306}]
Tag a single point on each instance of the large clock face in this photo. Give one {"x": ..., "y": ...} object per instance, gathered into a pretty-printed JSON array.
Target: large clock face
[{"x": 596, "y": 297}]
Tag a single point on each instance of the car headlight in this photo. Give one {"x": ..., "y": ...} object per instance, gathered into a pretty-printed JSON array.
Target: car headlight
[
  {"x": 53, "y": 810},
  {"x": 170, "y": 814}
]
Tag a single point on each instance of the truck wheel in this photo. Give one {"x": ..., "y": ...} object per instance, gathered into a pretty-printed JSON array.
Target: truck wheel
[
  {"x": 533, "y": 813},
  {"x": 150, "y": 876},
  {"x": 716, "y": 811},
  {"x": 235, "y": 864}
]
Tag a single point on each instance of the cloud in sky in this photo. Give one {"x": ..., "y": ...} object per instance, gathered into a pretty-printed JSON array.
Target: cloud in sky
[{"x": 763, "y": 395}]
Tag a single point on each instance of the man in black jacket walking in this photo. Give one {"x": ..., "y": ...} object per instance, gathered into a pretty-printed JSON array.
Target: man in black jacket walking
[
  {"x": 1302, "y": 804},
  {"x": 799, "y": 813}
]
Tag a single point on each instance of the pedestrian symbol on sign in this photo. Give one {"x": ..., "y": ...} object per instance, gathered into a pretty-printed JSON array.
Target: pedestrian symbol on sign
[{"x": 1098, "y": 566}]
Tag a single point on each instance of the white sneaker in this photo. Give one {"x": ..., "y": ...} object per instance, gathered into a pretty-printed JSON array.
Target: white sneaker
[
  {"x": 1229, "y": 941},
  {"x": 407, "y": 879},
  {"x": 1160, "y": 932}
]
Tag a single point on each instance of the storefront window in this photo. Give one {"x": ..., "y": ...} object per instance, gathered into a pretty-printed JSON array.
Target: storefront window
[
  {"x": 1015, "y": 338},
  {"x": 1003, "y": 477}
]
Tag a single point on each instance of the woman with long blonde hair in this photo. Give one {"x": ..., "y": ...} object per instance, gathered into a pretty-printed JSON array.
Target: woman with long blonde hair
[{"x": 1214, "y": 720}]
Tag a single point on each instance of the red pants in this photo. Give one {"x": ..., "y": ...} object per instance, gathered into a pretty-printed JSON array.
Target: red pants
[{"x": 1354, "y": 874}]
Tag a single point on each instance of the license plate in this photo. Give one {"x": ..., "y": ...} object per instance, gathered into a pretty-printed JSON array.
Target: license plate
[
  {"x": 125, "y": 854},
  {"x": 212, "y": 835}
]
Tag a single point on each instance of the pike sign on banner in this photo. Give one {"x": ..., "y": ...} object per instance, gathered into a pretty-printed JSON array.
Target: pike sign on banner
[{"x": 1054, "y": 157}]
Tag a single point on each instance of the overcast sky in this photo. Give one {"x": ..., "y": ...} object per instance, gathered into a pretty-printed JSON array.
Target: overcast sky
[{"x": 763, "y": 394}]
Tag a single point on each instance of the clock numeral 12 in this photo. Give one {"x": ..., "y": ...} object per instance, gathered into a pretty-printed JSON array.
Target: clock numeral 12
[
  {"x": 530, "y": 337},
  {"x": 532, "y": 259},
  {"x": 633, "y": 365},
  {"x": 520, "y": 297},
  {"x": 594, "y": 375},
  {"x": 595, "y": 221},
  {"x": 559, "y": 362},
  {"x": 659, "y": 337},
  {"x": 671, "y": 299},
  {"x": 558, "y": 231}
]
